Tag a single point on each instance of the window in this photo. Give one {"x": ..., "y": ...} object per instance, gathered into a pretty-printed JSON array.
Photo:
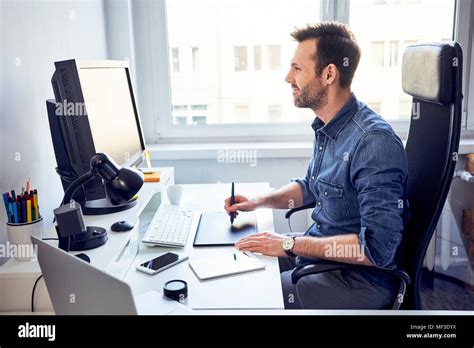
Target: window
[
  {"x": 257, "y": 58},
  {"x": 274, "y": 113},
  {"x": 378, "y": 53},
  {"x": 180, "y": 120},
  {"x": 180, "y": 107},
  {"x": 274, "y": 57},
  {"x": 374, "y": 106},
  {"x": 393, "y": 53},
  {"x": 244, "y": 47},
  {"x": 175, "y": 59},
  {"x": 405, "y": 108},
  {"x": 199, "y": 120},
  {"x": 198, "y": 107},
  {"x": 196, "y": 113},
  {"x": 195, "y": 52},
  {"x": 240, "y": 58},
  {"x": 180, "y": 114},
  {"x": 392, "y": 27},
  {"x": 242, "y": 112}
]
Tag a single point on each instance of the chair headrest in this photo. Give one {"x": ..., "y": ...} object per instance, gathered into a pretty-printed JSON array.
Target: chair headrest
[{"x": 427, "y": 71}]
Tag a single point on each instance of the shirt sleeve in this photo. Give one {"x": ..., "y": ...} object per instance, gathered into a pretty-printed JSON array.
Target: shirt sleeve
[
  {"x": 379, "y": 172},
  {"x": 308, "y": 196}
]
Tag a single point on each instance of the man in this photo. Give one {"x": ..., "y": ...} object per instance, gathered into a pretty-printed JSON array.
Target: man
[{"x": 357, "y": 179}]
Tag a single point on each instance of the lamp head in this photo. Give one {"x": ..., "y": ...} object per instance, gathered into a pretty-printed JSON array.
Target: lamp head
[{"x": 121, "y": 183}]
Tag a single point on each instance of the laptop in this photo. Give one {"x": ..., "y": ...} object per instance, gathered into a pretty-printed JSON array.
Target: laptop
[{"x": 78, "y": 288}]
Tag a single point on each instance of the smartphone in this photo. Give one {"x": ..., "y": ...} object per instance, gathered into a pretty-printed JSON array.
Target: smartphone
[{"x": 161, "y": 263}]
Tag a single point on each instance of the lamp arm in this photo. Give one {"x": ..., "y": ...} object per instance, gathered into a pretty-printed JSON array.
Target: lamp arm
[{"x": 84, "y": 178}]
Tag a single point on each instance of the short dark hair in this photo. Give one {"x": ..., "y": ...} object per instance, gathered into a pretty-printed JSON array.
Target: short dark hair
[{"x": 336, "y": 44}]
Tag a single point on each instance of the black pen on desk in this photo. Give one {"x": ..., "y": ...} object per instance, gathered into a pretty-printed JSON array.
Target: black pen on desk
[
  {"x": 235, "y": 257},
  {"x": 232, "y": 202}
]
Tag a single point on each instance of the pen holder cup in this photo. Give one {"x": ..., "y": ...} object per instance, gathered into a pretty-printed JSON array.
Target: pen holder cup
[{"x": 19, "y": 237}]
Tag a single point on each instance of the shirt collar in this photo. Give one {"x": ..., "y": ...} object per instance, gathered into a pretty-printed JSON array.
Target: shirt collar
[{"x": 332, "y": 129}]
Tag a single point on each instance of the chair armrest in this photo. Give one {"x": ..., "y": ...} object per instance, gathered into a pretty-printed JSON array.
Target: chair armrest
[
  {"x": 327, "y": 266},
  {"x": 303, "y": 207}
]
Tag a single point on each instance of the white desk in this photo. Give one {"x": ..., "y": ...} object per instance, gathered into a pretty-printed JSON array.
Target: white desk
[
  {"x": 17, "y": 277},
  {"x": 254, "y": 290}
]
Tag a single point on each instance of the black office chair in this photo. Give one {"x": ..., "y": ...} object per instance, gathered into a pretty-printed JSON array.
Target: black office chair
[{"x": 432, "y": 75}]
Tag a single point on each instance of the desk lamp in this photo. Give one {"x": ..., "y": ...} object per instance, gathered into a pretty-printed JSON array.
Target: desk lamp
[{"x": 121, "y": 184}]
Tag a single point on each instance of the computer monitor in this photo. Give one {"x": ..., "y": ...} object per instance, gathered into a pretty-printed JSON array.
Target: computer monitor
[{"x": 94, "y": 111}]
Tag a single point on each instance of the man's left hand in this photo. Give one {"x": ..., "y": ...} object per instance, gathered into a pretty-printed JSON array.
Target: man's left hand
[{"x": 265, "y": 243}]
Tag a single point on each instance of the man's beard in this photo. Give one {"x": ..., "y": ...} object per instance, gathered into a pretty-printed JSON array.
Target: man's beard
[{"x": 312, "y": 96}]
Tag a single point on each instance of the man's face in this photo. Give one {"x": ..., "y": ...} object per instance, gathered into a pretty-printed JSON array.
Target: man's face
[{"x": 308, "y": 88}]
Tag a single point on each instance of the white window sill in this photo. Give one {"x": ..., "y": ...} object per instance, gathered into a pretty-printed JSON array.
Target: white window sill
[
  {"x": 264, "y": 149},
  {"x": 212, "y": 150}
]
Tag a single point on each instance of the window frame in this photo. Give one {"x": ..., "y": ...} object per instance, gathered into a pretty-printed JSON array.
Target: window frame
[
  {"x": 463, "y": 34},
  {"x": 165, "y": 131}
]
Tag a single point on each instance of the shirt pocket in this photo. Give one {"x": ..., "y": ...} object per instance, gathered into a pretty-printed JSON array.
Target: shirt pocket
[{"x": 333, "y": 200}]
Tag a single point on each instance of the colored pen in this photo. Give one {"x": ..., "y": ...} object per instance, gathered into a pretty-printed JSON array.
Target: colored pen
[
  {"x": 28, "y": 210},
  {"x": 33, "y": 209},
  {"x": 18, "y": 204},
  {"x": 35, "y": 200},
  {"x": 10, "y": 212},
  {"x": 15, "y": 212},
  {"x": 147, "y": 156},
  {"x": 28, "y": 185},
  {"x": 5, "y": 201},
  {"x": 23, "y": 211},
  {"x": 232, "y": 202}
]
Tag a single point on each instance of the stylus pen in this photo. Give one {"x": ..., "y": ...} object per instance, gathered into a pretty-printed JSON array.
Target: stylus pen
[{"x": 232, "y": 201}]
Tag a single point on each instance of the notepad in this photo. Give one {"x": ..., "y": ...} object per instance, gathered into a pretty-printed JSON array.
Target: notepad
[
  {"x": 152, "y": 177},
  {"x": 225, "y": 264}
]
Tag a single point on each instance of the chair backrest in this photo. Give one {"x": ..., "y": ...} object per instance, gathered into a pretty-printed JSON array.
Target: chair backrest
[{"x": 432, "y": 75}]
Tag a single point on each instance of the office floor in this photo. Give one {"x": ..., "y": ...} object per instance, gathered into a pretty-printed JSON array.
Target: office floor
[{"x": 446, "y": 294}]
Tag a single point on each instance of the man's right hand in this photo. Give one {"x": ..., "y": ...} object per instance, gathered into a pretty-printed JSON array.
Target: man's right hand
[{"x": 241, "y": 203}]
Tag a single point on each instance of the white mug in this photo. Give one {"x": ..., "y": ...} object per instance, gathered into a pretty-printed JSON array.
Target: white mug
[
  {"x": 174, "y": 193},
  {"x": 19, "y": 237}
]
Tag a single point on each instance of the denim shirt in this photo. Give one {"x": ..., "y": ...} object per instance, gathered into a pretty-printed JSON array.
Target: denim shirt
[{"x": 357, "y": 177}]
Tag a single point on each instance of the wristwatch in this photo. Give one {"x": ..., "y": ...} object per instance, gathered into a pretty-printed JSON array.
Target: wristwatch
[{"x": 287, "y": 244}]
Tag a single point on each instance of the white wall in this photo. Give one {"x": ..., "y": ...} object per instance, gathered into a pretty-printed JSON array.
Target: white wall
[{"x": 35, "y": 34}]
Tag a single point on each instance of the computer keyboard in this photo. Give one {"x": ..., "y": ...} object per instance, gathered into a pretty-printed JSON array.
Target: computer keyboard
[{"x": 170, "y": 227}]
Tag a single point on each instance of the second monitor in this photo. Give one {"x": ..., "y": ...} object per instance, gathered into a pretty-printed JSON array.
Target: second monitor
[{"x": 94, "y": 111}]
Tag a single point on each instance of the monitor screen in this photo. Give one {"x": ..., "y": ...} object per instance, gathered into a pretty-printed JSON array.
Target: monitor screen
[{"x": 109, "y": 105}]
